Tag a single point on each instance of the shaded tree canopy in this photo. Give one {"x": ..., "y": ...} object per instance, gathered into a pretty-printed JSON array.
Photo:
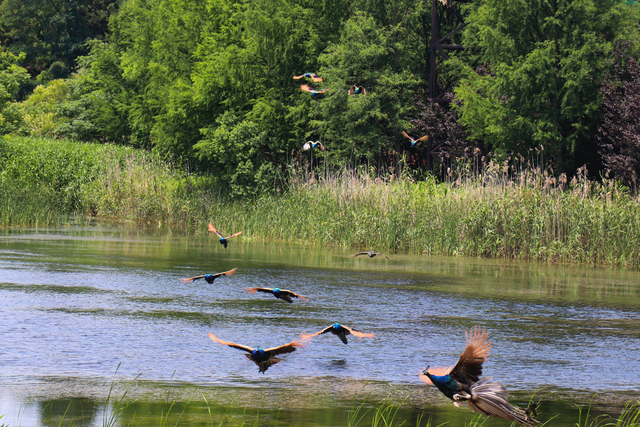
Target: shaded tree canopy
[
  {"x": 619, "y": 131},
  {"x": 53, "y": 33}
]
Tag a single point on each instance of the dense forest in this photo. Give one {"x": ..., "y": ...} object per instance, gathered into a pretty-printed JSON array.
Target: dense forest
[{"x": 210, "y": 84}]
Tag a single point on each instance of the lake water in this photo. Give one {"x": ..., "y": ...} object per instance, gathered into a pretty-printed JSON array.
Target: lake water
[{"x": 95, "y": 316}]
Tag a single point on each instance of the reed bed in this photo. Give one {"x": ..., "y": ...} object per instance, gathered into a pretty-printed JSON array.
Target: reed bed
[
  {"x": 526, "y": 217},
  {"x": 526, "y": 214}
]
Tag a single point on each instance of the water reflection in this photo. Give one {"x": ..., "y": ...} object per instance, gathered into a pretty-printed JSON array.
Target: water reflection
[{"x": 77, "y": 303}]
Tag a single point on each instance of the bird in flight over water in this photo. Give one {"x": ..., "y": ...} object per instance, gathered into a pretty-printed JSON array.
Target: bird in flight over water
[
  {"x": 210, "y": 277},
  {"x": 371, "y": 254},
  {"x": 264, "y": 358},
  {"x": 462, "y": 384},
  {"x": 282, "y": 294},
  {"x": 341, "y": 331},
  {"x": 223, "y": 240}
]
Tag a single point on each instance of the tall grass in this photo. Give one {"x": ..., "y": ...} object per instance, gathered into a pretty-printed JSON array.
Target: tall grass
[
  {"x": 526, "y": 214},
  {"x": 531, "y": 217}
]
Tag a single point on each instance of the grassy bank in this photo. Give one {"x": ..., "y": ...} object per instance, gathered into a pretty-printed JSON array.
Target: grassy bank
[{"x": 524, "y": 215}]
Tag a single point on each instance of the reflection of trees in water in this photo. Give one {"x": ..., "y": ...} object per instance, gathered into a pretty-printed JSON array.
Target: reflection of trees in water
[{"x": 78, "y": 412}]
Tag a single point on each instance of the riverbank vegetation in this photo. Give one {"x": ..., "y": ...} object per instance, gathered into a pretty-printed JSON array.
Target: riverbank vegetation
[
  {"x": 171, "y": 113},
  {"x": 504, "y": 212}
]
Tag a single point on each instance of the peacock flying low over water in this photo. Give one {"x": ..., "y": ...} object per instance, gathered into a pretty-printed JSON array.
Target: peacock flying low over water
[
  {"x": 223, "y": 240},
  {"x": 282, "y": 294},
  {"x": 341, "y": 331},
  {"x": 210, "y": 277},
  {"x": 462, "y": 384},
  {"x": 264, "y": 358},
  {"x": 370, "y": 254}
]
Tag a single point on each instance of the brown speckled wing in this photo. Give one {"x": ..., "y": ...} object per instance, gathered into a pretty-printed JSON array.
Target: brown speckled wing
[
  {"x": 230, "y": 344},
  {"x": 469, "y": 367}
]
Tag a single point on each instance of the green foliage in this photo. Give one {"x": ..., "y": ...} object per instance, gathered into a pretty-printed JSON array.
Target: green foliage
[
  {"x": 173, "y": 68},
  {"x": 52, "y": 34},
  {"x": 233, "y": 150},
  {"x": 12, "y": 77},
  {"x": 545, "y": 61},
  {"x": 362, "y": 124},
  {"x": 59, "y": 109}
]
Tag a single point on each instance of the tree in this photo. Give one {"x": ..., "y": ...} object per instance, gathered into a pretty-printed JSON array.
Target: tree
[
  {"x": 12, "y": 77},
  {"x": 53, "y": 33},
  {"x": 619, "y": 131},
  {"x": 546, "y": 60},
  {"x": 364, "y": 126}
]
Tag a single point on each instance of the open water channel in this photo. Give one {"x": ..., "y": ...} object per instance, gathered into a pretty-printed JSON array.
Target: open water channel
[{"x": 97, "y": 329}]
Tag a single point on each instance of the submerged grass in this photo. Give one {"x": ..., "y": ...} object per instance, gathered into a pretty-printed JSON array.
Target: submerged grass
[
  {"x": 526, "y": 214},
  {"x": 374, "y": 414}
]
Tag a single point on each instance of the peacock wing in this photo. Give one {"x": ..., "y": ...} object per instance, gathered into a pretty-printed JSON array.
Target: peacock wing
[
  {"x": 423, "y": 138},
  {"x": 230, "y": 344},
  {"x": 305, "y": 88},
  {"x": 258, "y": 289},
  {"x": 309, "y": 336},
  {"x": 360, "y": 253},
  {"x": 286, "y": 348},
  {"x": 407, "y": 136},
  {"x": 234, "y": 235},
  {"x": 292, "y": 294},
  {"x": 213, "y": 230},
  {"x": 352, "y": 90},
  {"x": 230, "y": 272},
  {"x": 469, "y": 367},
  {"x": 224, "y": 273},
  {"x": 191, "y": 279},
  {"x": 358, "y": 334},
  {"x": 268, "y": 363}
]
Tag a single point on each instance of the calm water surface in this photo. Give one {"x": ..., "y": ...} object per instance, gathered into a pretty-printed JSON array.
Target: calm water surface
[{"x": 86, "y": 311}]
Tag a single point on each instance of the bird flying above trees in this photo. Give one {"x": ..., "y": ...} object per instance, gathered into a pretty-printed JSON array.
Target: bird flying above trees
[
  {"x": 209, "y": 277},
  {"x": 311, "y": 144},
  {"x": 461, "y": 382},
  {"x": 264, "y": 358},
  {"x": 357, "y": 90},
  {"x": 313, "y": 77},
  {"x": 282, "y": 294},
  {"x": 341, "y": 331},
  {"x": 223, "y": 240},
  {"x": 371, "y": 254},
  {"x": 415, "y": 141},
  {"x": 312, "y": 91}
]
